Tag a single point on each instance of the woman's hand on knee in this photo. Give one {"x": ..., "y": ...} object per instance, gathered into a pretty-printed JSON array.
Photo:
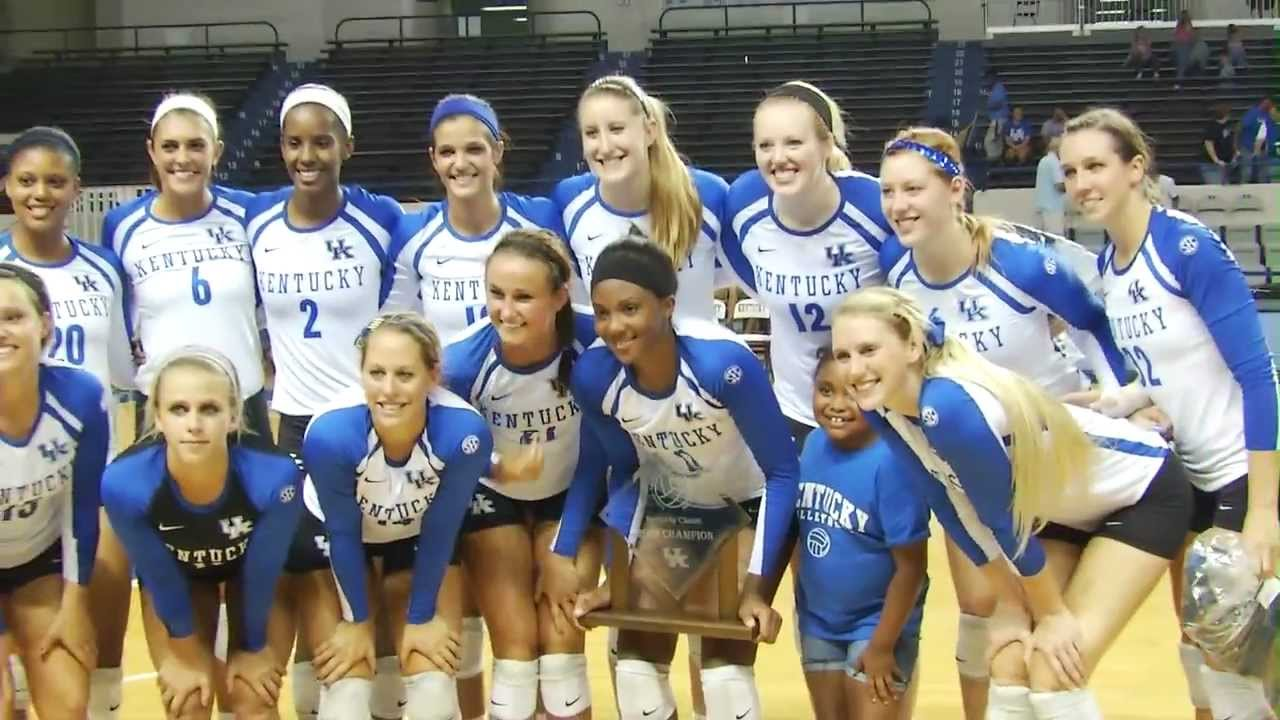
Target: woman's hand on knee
[
  {"x": 185, "y": 677},
  {"x": 557, "y": 586},
  {"x": 349, "y": 646},
  {"x": 1058, "y": 638},
  {"x": 433, "y": 640},
  {"x": 72, "y": 629},
  {"x": 261, "y": 672}
]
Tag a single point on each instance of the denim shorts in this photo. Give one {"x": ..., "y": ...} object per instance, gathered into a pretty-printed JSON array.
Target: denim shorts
[{"x": 818, "y": 654}]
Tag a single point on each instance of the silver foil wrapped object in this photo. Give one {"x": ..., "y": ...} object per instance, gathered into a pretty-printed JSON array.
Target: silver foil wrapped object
[{"x": 1226, "y": 609}]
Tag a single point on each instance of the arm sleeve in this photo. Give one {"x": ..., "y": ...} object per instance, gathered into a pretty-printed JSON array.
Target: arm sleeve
[
  {"x": 119, "y": 352},
  {"x": 443, "y": 520},
  {"x": 264, "y": 559},
  {"x": 80, "y": 527},
  {"x": 1054, "y": 283},
  {"x": 586, "y": 489},
  {"x": 754, "y": 408},
  {"x": 1216, "y": 287},
  {"x": 334, "y": 477},
  {"x": 984, "y": 499},
  {"x": 157, "y": 569}
]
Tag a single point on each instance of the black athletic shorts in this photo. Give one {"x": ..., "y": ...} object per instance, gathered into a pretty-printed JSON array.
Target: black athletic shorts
[
  {"x": 1224, "y": 508},
  {"x": 48, "y": 562},
  {"x": 491, "y": 509}
]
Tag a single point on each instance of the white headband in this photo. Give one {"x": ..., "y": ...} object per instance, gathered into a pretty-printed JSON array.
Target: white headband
[
  {"x": 320, "y": 95},
  {"x": 186, "y": 102}
]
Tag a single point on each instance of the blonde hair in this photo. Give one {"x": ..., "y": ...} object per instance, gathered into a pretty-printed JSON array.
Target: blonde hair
[
  {"x": 1048, "y": 449},
  {"x": 1128, "y": 139},
  {"x": 200, "y": 358},
  {"x": 410, "y": 324},
  {"x": 981, "y": 228},
  {"x": 836, "y": 135},
  {"x": 675, "y": 209},
  {"x": 213, "y": 127}
]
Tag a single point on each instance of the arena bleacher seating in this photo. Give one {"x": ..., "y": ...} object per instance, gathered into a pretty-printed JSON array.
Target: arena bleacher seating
[
  {"x": 532, "y": 82},
  {"x": 1078, "y": 74}
]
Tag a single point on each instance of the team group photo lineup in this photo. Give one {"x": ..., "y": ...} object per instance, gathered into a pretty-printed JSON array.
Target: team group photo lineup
[{"x": 642, "y": 442}]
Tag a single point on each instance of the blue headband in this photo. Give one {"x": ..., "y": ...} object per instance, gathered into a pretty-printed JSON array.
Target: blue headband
[
  {"x": 466, "y": 105},
  {"x": 937, "y": 332},
  {"x": 940, "y": 159}
]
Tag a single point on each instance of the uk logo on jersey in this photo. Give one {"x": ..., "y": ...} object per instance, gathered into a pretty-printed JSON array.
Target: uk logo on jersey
[
  {"x": 685, "y": 412},
  {"x": 839, "y": 255},
  {"x": 339, "y": 249},
  {"x": 1137, "y": 293},
  {"x": 51, "y": 451},
  {"x": 236, "y": 526},
  {"x": 481, "y": 505},
  {"x": 86, "y": 282},
  {"x": 219, "y": 234},
  {"x": 973, "y": 309},
  {"x": 419, "y": 479}
]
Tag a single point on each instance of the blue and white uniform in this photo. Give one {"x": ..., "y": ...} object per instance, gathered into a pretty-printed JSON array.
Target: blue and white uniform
[
  {"x": 448, "y": 266},
  {"x": 958, "y": 461},
  {"x": 590, "y": 226},
  {"x": 521, "y": 404},
  {"x": 87, "y": 295},
  {"x": 852, "y": 509},
  {"x": 1183, "y": 315},
  {"x": 190, "y": 283},
  {"x": 49, "y": 481},
  {"x": 802, "y": 276},
  {"x": 320, "y": 287},
  {"x": 718, "y": 434},
  {"x": 242, "y": 535},
  {"x": 368, "y": 500},
  {"x": 1002, "y": 311}
]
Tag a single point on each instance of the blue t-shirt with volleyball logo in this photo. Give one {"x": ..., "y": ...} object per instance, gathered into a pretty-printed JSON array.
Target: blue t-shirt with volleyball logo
[{"x": 852, "y": 508}]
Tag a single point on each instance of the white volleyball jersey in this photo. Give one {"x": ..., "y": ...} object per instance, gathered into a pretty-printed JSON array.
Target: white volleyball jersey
[
  {"x": 87, "y": 295},
  {"x": 522, "y": 405},
  {"x": 801, "y": 277},
  {"x": 320, "y": 287},
  {"x": 591, "y": 225},
  {"x": 448, "y": 266},
  {"x": 191, "y": 282},
  {"x": 1162, "y": 306},
  {"x": 1002, "y": 311}
]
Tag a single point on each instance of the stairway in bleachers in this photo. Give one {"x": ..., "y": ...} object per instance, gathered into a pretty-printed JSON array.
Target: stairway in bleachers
[
  {"x": 713, "y": 84},
  {"x": 532, "y": 82},
  {"x": 1079, "y": 74}
]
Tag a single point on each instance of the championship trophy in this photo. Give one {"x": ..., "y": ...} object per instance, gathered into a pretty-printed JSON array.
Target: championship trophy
[{"x": 682, "y": 538}]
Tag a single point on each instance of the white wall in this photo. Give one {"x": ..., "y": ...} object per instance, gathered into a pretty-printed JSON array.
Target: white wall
[{"x": 30, "y": 14}]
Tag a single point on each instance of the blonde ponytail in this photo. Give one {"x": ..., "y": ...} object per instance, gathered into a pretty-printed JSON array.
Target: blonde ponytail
[
  {"x": 1048, "y": 450},
  {"x": 675, "y": 209}
]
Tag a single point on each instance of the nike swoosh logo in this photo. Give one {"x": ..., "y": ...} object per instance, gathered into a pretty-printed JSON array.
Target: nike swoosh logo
[
  {"x": 628, "y": 421},
  {"x": 739, "y": 717},
  {"x": 766, "y": 250},
  {"x": 113, "y": 708},
  {"x": 146, "y": 245},
  {"x": 271, "y": 250},
  {"x": 167, "y": 528},
  {"x": 401, "y": 703},
  {"x": 499, "y": 398},
  {"x": 1113, "y": 523},
  {"x": 647, "y": 713},
  {"x": 571, "y": 703},
  {"x": 441, "y": 261},
  {"x": 495, "y": 703},
  {"x": 593, "y": 238},
  {"x": 1225, "y": 508}
]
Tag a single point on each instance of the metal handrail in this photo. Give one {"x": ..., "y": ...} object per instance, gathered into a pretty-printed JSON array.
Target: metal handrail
[
  {"x": 795, "y": 5},
  {"x": 401, "y": 39},
  {"x": 65, "y": 32}
]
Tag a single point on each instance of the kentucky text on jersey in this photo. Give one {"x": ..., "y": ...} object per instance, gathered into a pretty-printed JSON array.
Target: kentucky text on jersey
[
  {"x": 167, "y": 260},
  {"x": 337, "y": 279},
  {"x": 826, "y": 506}
]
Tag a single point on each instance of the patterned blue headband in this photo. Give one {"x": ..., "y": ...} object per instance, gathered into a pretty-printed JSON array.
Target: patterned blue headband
[
  {"x": 939, "y": 159},
  {"x": 466, "y": 105}
]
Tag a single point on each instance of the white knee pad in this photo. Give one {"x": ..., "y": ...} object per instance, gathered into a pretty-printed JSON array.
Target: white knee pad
[
  {"x": 105, "y": 691},
  {"x": 388, "y": 690},
  {"x": 1193, "y": 668},
  {"x": 1237, "y": 697},
  {"x": 431, "y": 696},
  {"x": 565, "y": 689},
  {"x": 346, "y": 699},
  {"x": 729, "y": 692},
  {"x": 472, "y": 648},
  {"x": 973, "y": 642},
  {"x": 21, "y": 691},
  {"x": 515, "y": 689},
  {"x": 1066, "y": 705},
  {"x": 644, "y": 691},
  {"x": 1009, "y": 702},
  {"x": 306, "y": 691}
]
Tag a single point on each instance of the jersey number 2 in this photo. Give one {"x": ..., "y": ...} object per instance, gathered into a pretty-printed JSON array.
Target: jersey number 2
[
  {"x": 312, "y": 310},
  {"x": 70, "y": 342},
  {"x": 1142, "y": 363}
]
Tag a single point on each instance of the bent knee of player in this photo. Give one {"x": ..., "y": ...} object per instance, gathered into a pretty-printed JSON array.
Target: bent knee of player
[{"x": 1008, "y": 666}]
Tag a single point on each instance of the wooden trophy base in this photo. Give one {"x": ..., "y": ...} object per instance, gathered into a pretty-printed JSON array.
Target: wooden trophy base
[{"x": 621, "y": 614}]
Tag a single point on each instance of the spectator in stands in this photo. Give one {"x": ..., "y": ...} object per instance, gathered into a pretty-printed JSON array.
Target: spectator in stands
[
  {"x": 997, "y": 102},
  {"x": 1190, "y": 51},
  {"x": 1054, "y": 126},
  {"x": 1258, "y": 132},
  {"x": 1017, "y": 138},
  {"x": 1226, "y": 72},
  {"x": 1219, "y": 142},
  {"x": 1235, "y": 49},
  {"x": 1051, "y": 191},
  {"x": 1141, "y": 57}
]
